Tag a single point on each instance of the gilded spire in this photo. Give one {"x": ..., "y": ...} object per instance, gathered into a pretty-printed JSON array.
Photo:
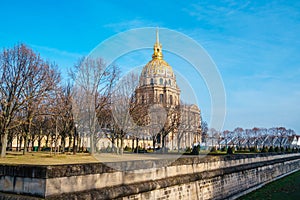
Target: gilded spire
[
  {"x": 157, "y": 36},
  {"x": 157, "y": 48}
]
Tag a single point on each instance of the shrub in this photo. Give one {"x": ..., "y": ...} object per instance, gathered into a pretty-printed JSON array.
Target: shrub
[
  {"x": 230, "y": 150},
  {"x": 295, "y": 150},
  {"x": 188, "y": 150},
  {"x": 288, "y": 150},
  {"x": 213, "y": 149},
  {"x": 44, "y": 148},
  {"x": 254, "y": 149},
  {"x": 271, "y": 149},
  {"x": 196, "y": 150},
  {"x": 127, "y": 148},
  {"x": 264, "y": 149},
  {"x": 223, "y": 149},
  {"x": 276, "y": 149}
]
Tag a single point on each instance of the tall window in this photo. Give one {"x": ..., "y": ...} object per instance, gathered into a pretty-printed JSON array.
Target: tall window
[
  {"x": 171, "y": 99},
  {"x": 143, "y": 99},
  {"x": 151, "y": 81},
  {"x": 170, "y": 82},
  {"x": 161, "y": 98},
  {"x": 161, "y": 81}
]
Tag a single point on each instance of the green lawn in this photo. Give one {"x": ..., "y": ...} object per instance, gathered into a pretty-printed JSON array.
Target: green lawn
[
  {"x": 45, "y": 158},
  {"x": 287, "y": 188}
]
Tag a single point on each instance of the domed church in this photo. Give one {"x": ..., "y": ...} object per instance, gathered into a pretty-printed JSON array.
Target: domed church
[
  {"x": 157, "y": 82},
  {"x": 171, "y": 124}
]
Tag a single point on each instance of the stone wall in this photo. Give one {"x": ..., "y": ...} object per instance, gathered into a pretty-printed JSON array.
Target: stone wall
[{"x": 210, "y": 177}]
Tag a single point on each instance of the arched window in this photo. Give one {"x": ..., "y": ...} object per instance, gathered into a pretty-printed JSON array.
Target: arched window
[
  {"x": 161, "y": 81},
  {"x": 151, "y": 81}
]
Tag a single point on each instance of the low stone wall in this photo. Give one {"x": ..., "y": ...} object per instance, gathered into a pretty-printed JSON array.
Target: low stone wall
[{"x": 210, "y": 177}]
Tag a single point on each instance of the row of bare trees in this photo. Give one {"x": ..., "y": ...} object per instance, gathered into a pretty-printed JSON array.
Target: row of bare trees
[
  {"x": 241, "y": 134},
  {"x": 35, "y": 104},
  {"x": 27, "y": 85}
]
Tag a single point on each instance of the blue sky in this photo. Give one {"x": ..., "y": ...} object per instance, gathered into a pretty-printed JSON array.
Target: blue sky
[{"x": 255, "y": 44}]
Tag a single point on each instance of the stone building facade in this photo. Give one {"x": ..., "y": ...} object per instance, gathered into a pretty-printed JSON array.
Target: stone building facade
[{"x": 158, "y": 90}]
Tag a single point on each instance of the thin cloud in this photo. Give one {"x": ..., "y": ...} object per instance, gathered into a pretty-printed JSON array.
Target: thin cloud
[
  {"x": 130, "y": 24},
  {"x": 55, "y": 51}
]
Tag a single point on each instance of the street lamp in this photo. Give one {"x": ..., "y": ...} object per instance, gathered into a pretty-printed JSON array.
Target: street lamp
[{"x": 75, "y": 134}]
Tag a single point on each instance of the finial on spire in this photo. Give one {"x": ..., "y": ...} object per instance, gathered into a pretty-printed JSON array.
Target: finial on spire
[{"x": 157, "y": 35}]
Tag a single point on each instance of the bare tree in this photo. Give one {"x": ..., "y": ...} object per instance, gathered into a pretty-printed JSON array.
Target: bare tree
[
  {"x": 189, "y": 124},
  {"x": 157, "y": 116},
  {"x": 282, "y": 133},
  {"x": 226, "y": 137},
  {"x": 92, "y": 78},
  {"x": 239, "y": 134},
  {"x": 171, "y": 124},
  {"x": 25, "y": 80},
  {"x": 122, "y": 98},
  {"x": 64, "y": 115}
]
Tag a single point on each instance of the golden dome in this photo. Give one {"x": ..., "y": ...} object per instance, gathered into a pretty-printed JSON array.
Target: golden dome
[
  {"x": 157, "y": 67},
  {"x": 157, "y": 71}
]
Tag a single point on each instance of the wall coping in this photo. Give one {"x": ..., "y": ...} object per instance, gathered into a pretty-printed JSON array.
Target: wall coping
[{"x": 66, "y": 170}]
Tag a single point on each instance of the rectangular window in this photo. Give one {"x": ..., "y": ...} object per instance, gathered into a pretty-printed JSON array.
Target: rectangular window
[
  {"x": 161, "y": 98},
  {"x": 143, "y": 99}
]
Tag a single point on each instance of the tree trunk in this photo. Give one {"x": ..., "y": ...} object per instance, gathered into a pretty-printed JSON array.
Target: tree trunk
[
  {"x": 113, "y": 145},
  {"x": 163, "y": 143},
  {"x": 25, "y": 144},
  {"x": 56, "y": 138},
  {"x": 122, "y": 146},
  {"x": 47, "y": 140},
  {"x": 10, "y": 141},
  {"x": 92, "y": 150},
  {"x": 63, "y": 144},
  {"x": 70, "y": 143},
  {"x": 178, "y": 144},
  {"x": 20, "y": 145},
  {"x": 118, "y": 149},
  {"x": 17, "y": 143},
  {"x": 32, "y": 143},
  {"x": 137, "y": 145},
  {"x": 4, "y": 144},
  {"x": 78, "y": 143},
  {"x": 39, "y": 144},
  {"x": 132, "y": 145},
  {"x": 74, "y": 143}
]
